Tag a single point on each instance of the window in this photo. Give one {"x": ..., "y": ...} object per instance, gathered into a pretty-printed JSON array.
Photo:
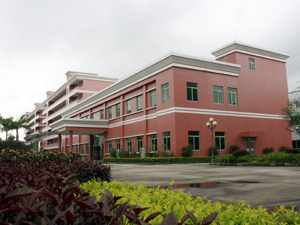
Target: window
[
  {"x": 139, "y": 103},
  {"x": 82, "y": 148},
  {"x": 118, "y": 114},
  {"x": 63, "y": 149},
  {"x": 68, "y": 148},
  {"x": 296, "y": 144},
  {"x": 194, "y": 139},
  {"x": 128, "y": 144},
  {"x": 218, "y": 94},
  {"x": 102, "y": 114},
  {"x": 232, "y": 96},
  {"x": 93, "y": 116},
  {"x": 251, "y": 64},
  {"x": 139, "y": 143},
  {"x": 153, "y": 142},
  {"x": 109, "y": 146},
  {"x": 192, "y": 91},
  {"x": 166, "y": 141},
  {"x": 73, "y": 147},
  {"x": 77, "y": 148},
  {"x": 165, "y": 92},
  {"x": 152, "y": 98},
  {"x": 109, "y": 112},
  {"x": 128, "y": 106},
  {"x": 87, "y": 149},
  {"x": 220, "y": 140},
  {"x": 118, "y": 143}
]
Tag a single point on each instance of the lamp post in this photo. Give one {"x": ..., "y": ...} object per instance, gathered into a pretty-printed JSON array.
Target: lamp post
[{"x": 212, "y": 125}]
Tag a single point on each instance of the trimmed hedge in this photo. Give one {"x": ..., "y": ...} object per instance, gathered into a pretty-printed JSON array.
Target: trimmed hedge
[
  {"x": 13, "y": 145},
  {"x": 12, "y": 155},
  {"x": 278, "y": 157},
  {"x": 159, "y": 160}
]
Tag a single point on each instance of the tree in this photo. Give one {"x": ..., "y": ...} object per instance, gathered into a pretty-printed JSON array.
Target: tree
[
  {"x": 20, "y": 123},
  {"x": 7, "y": 125},
  {"x": 291, "y": 114}
]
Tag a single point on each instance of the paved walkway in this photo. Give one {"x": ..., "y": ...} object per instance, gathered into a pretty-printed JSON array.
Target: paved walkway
[{"x": 267, "y": 185}]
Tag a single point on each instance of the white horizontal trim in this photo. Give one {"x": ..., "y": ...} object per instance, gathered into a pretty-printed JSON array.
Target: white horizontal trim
[
  {"x": 153, "y": 107},
  {"x": 150, "y": 89},
  {"x": 137, "y": 135},
  {"x": 250, "y": 53},
  {"x": 151, "y": 133},
  {"x": 205, "y": 69},
  {"x": 112, "y": 139}
]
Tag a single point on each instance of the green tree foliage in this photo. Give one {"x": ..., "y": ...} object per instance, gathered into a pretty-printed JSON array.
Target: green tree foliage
[
  {"x": 291, "y": 113},
  {"x": 20, "y": 123},
  {"x": 6, "y": 125}
]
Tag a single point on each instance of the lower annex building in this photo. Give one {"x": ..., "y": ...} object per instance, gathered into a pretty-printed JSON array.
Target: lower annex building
[{"x": 165, "y": 106}]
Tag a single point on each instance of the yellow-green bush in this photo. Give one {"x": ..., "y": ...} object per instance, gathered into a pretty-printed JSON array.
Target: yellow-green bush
[{"x": 166, "y": 200}]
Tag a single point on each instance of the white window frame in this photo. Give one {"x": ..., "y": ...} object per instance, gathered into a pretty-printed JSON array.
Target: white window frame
[
  {"x": 232, "y": 96},
  {"x": 218, "y": 139},
  {"x": 139, "y": 103},
  {"x": 251, "y": 64},
  {"x": 153, "y": 142},
  {"x": 165, "y": 93},
  {"x": 118, "y": 144},
  {"x": 118, "y": 110},
  {"x": 129, "y": 144},
  {"x": 139, "y": 142},
  {"x": 194, "y": 97},
  {"x": 166, "y": 140},
  {"x": 102, "y": 116},
  {"x": 109, "y": 146},
  {"x": 194, "y": 136},
  {"x": 110, "y": 112},
  {"x": 153, "y": 98},
  {"x": 219, "y": 95},
  {"x": 128, "y": 106}
]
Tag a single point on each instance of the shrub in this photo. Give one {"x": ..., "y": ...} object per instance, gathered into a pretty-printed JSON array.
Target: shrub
[
  {"x": 234, "y": 148},
  {"x": 187, "y": 151},
  {"x": 160, "y": 159},
  {"x": 113, "y": 153},
  {"x": 284, "y": 149},
  {"x": 123, "y": 153},
  {"x": 268, "y": 150},
  {"x": 239, "y": 153},
  {"x": 13, "y": 145},
  {"x": 294, "y": 151},
  {"x": 216, "y": 151},
  {"x": 166, "y": 200}
]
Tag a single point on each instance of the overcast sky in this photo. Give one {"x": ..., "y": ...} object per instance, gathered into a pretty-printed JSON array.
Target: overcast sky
[{"x": 40, "y": 40}]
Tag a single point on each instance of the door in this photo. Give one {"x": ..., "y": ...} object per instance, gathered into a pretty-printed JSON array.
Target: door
[{"x": 250, "y": 146}]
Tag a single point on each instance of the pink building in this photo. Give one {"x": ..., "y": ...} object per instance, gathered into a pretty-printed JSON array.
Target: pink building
[
  {"x": 78, "y": 87},
  {"x": 165, "y": 106}
]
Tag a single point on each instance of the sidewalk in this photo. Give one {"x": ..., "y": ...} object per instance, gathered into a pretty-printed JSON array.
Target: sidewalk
[{"x": 255, "y": 185}]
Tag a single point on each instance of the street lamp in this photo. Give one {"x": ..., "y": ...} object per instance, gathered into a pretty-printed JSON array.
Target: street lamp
[{"x": 212, "y": 125}]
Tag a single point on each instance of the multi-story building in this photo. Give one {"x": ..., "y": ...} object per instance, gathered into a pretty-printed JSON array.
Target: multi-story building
[
  {"x": 165, "y": 106},
  {"x": 78, "y": 87},
  {"x": 295, "y": 135}
]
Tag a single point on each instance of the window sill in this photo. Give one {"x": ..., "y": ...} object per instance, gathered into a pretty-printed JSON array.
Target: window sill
[
  {"x": 114, "y": 118},
  {"x": 153, "y": 107},
  {"x": 129, "y": 114}
]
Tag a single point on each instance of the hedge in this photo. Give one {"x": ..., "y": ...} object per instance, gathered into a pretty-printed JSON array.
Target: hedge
[{"x": 159, "y": 160}]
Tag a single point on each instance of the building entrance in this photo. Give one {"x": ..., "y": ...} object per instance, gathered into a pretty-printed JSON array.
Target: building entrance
[
  {"x": 98, "y": 146},
  {"x": 250, "y": 145}
]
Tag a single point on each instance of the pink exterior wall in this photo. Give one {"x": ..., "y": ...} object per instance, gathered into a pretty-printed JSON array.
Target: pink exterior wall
[{"x": 261, "y": 94}]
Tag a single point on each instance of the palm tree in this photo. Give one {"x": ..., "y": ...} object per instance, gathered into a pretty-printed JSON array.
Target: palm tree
[
  {"x": 7, "y": 125},
  {"x": 20, "y": 123}
]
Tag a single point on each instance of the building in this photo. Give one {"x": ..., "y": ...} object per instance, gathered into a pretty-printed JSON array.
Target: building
[
  {"x": 78, "y": 87},
  {"x": 295, "y": 136},
  {"x": 165, "y": 106}
]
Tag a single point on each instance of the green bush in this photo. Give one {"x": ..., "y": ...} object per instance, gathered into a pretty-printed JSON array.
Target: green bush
[
  {"x": 234, "y": 148},
  {"x": 284, "y": 149},
  {"x": 159, "y": 160},
  {"x": 16, "y": 145},
  {"x": 166, "y": 201},
  {"x": 216, "y": 151},
  {"x": 13, "y": 155},
  {"x": 113, "y": 153},
  {"x": 268, "y": 150},
  {"x": 187, "y": 151},
  {"x": 240, "y": 152}
]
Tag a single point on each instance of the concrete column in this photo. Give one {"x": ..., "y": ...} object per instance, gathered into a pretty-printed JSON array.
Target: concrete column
[
  {"x": 70, "y": 140},
  {"x": 59, "y": 142}
]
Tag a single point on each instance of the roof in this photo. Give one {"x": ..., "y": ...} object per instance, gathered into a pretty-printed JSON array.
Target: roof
[{"x": 251, "y": 50}]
